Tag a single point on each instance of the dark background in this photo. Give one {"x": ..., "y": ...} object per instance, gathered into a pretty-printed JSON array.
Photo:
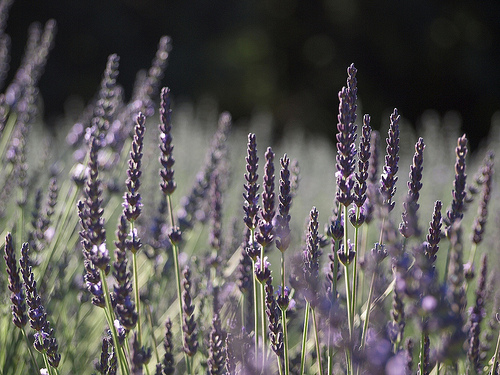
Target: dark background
[{"x": 289, "y": 56}]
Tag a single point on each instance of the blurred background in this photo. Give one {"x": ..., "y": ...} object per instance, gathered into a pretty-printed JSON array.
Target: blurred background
[{"x": 288, "y": 57}]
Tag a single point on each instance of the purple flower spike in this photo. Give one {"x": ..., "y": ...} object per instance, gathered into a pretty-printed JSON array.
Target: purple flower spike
[
  {"x": 434, "y": 235},
  {"x": 285, "y": 202},
  {"x": 346, "y": 150},
  {"x": 363, "y": 163},
  {"x": 45, "y": 340},
  {"x": 15, "y": 286},
  {"x": 265, "y": 235},
  {"x": 409, "y": 226},
  {"x": 482, "y": 212},
  {"x": 167, "y": 161},
  {"x": 133, "y": 206},
  {"x": 389, "y": 178},
  {"x": 455, "y": 213},
  {"x": 274, "y": 317},
  {"x": 251, "y": 195},
  {"x": 312, "y": 256}
]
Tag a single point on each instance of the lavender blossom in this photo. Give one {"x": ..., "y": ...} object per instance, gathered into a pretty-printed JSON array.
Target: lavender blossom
[
  {"x": 167, "y": 161},
  {"x": 267, "y": 211},
  {"x": 168, "y": 358},
  {"x": 312, "y": 255},
  {"x": 294, "y": 177},
  {"x": 216, "y": 214},
  {"x": 106, "y": 104},
  {"x": 455, "y": 212},
  {"x": 389, "y": 178},
  {"x": 360, "y": 188},
  {"x": 285, "y": 202},
  {"x": 147, "y": 88},
  {"x": 189, "y": 326},
  {"x": 482, "y": 213},
  {"x": 434, "y": 235},
  {"x": 125, "y": 307},
  {"x": 43, "y": 222},
  {"x": 45, "y": 342},
  {"x": 140, "y": 356},
  {"x": 397, "y": 326},
  {"x": 217, "y": 348},
  {"x": 274, "y": 317},
  {"x": 15, "y": 286},
  {"x": 346, "y": 136},
  {"x": 251, "y": 207},
  {"x": 93, "y": 234},
  {"x": 102, "y": 366},
  {"x": 132, "y": 204},
  {"x": 262, "y": 271},
  {"x": 476, "y": 317},
  {"x": 451, "y": 345},
  {"x": 409, "y": 225}
]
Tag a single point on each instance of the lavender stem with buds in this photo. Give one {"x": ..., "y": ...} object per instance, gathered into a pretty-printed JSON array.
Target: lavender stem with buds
[
  {"x": 251, "y": 210},
  {"x": 283, "y": 233}
]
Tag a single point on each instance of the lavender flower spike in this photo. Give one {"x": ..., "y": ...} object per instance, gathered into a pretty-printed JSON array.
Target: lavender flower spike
[
  {"x": 312, "y": 255},
  {"x": 434, "y": 235},
  {"x": 15, "y": 286},
  {"x": 132, "y": 204},
  {"x": 409, "y": 225},
  {"x": 482, "y": 212},
  {"x": 44, "y": 338},
  {"x": 251, "y": 196},
  {"x": 189, "y": 325},
  {"x": 389, "y": 178},
  {"x": 166, "y": 159},
  {"x": 285, "y": 202},
  {"x": 363, "y": 163},
  {"x": 265, "y": 235},
  {"x": 455, "y": 212},
  {"x": 346, "y": 137}
]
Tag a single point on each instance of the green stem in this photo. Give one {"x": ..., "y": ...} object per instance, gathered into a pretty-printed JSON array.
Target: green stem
[
  {"x": 136, "y": 291},
  {"x": 334, "y": 298},
  {"x": 316, "y": 337},
  {"x": 122, "y": 360},
  {"x": 368, "y": 308},
  {"x": 350, "y": 319},
  {"x": 304, "y": 338},
  {"x": 263, "y": 307},
  {"x": 355, "y": 267},
  {"x": 264, "y": 335},
  {"x": 30, "y": 350},
  {"x": 422, "y": 349},
  {"x": 175, "y": 249},
  {"x": 255, "y": 313}
]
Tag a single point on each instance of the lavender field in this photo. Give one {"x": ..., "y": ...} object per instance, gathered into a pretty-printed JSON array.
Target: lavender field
[{"x": 145, "y": 237}]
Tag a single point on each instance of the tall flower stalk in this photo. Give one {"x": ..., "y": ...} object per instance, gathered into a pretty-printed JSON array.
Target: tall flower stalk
[
  {"x": 265, "y": 237},
  {"x": 168, "y": 186},
  {"x": 133, "y": 205},
  {"x": 282, "y": 243},
  {"x": 346, "y": 152},
  {"x": 311, "y": 276},
  {"x": 93, "y": 238},
  {"x": 251, "y": 210}
]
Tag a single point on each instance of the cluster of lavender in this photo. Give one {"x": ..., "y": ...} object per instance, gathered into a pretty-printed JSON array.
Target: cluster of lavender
[{"x": 428, "y": 327}]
